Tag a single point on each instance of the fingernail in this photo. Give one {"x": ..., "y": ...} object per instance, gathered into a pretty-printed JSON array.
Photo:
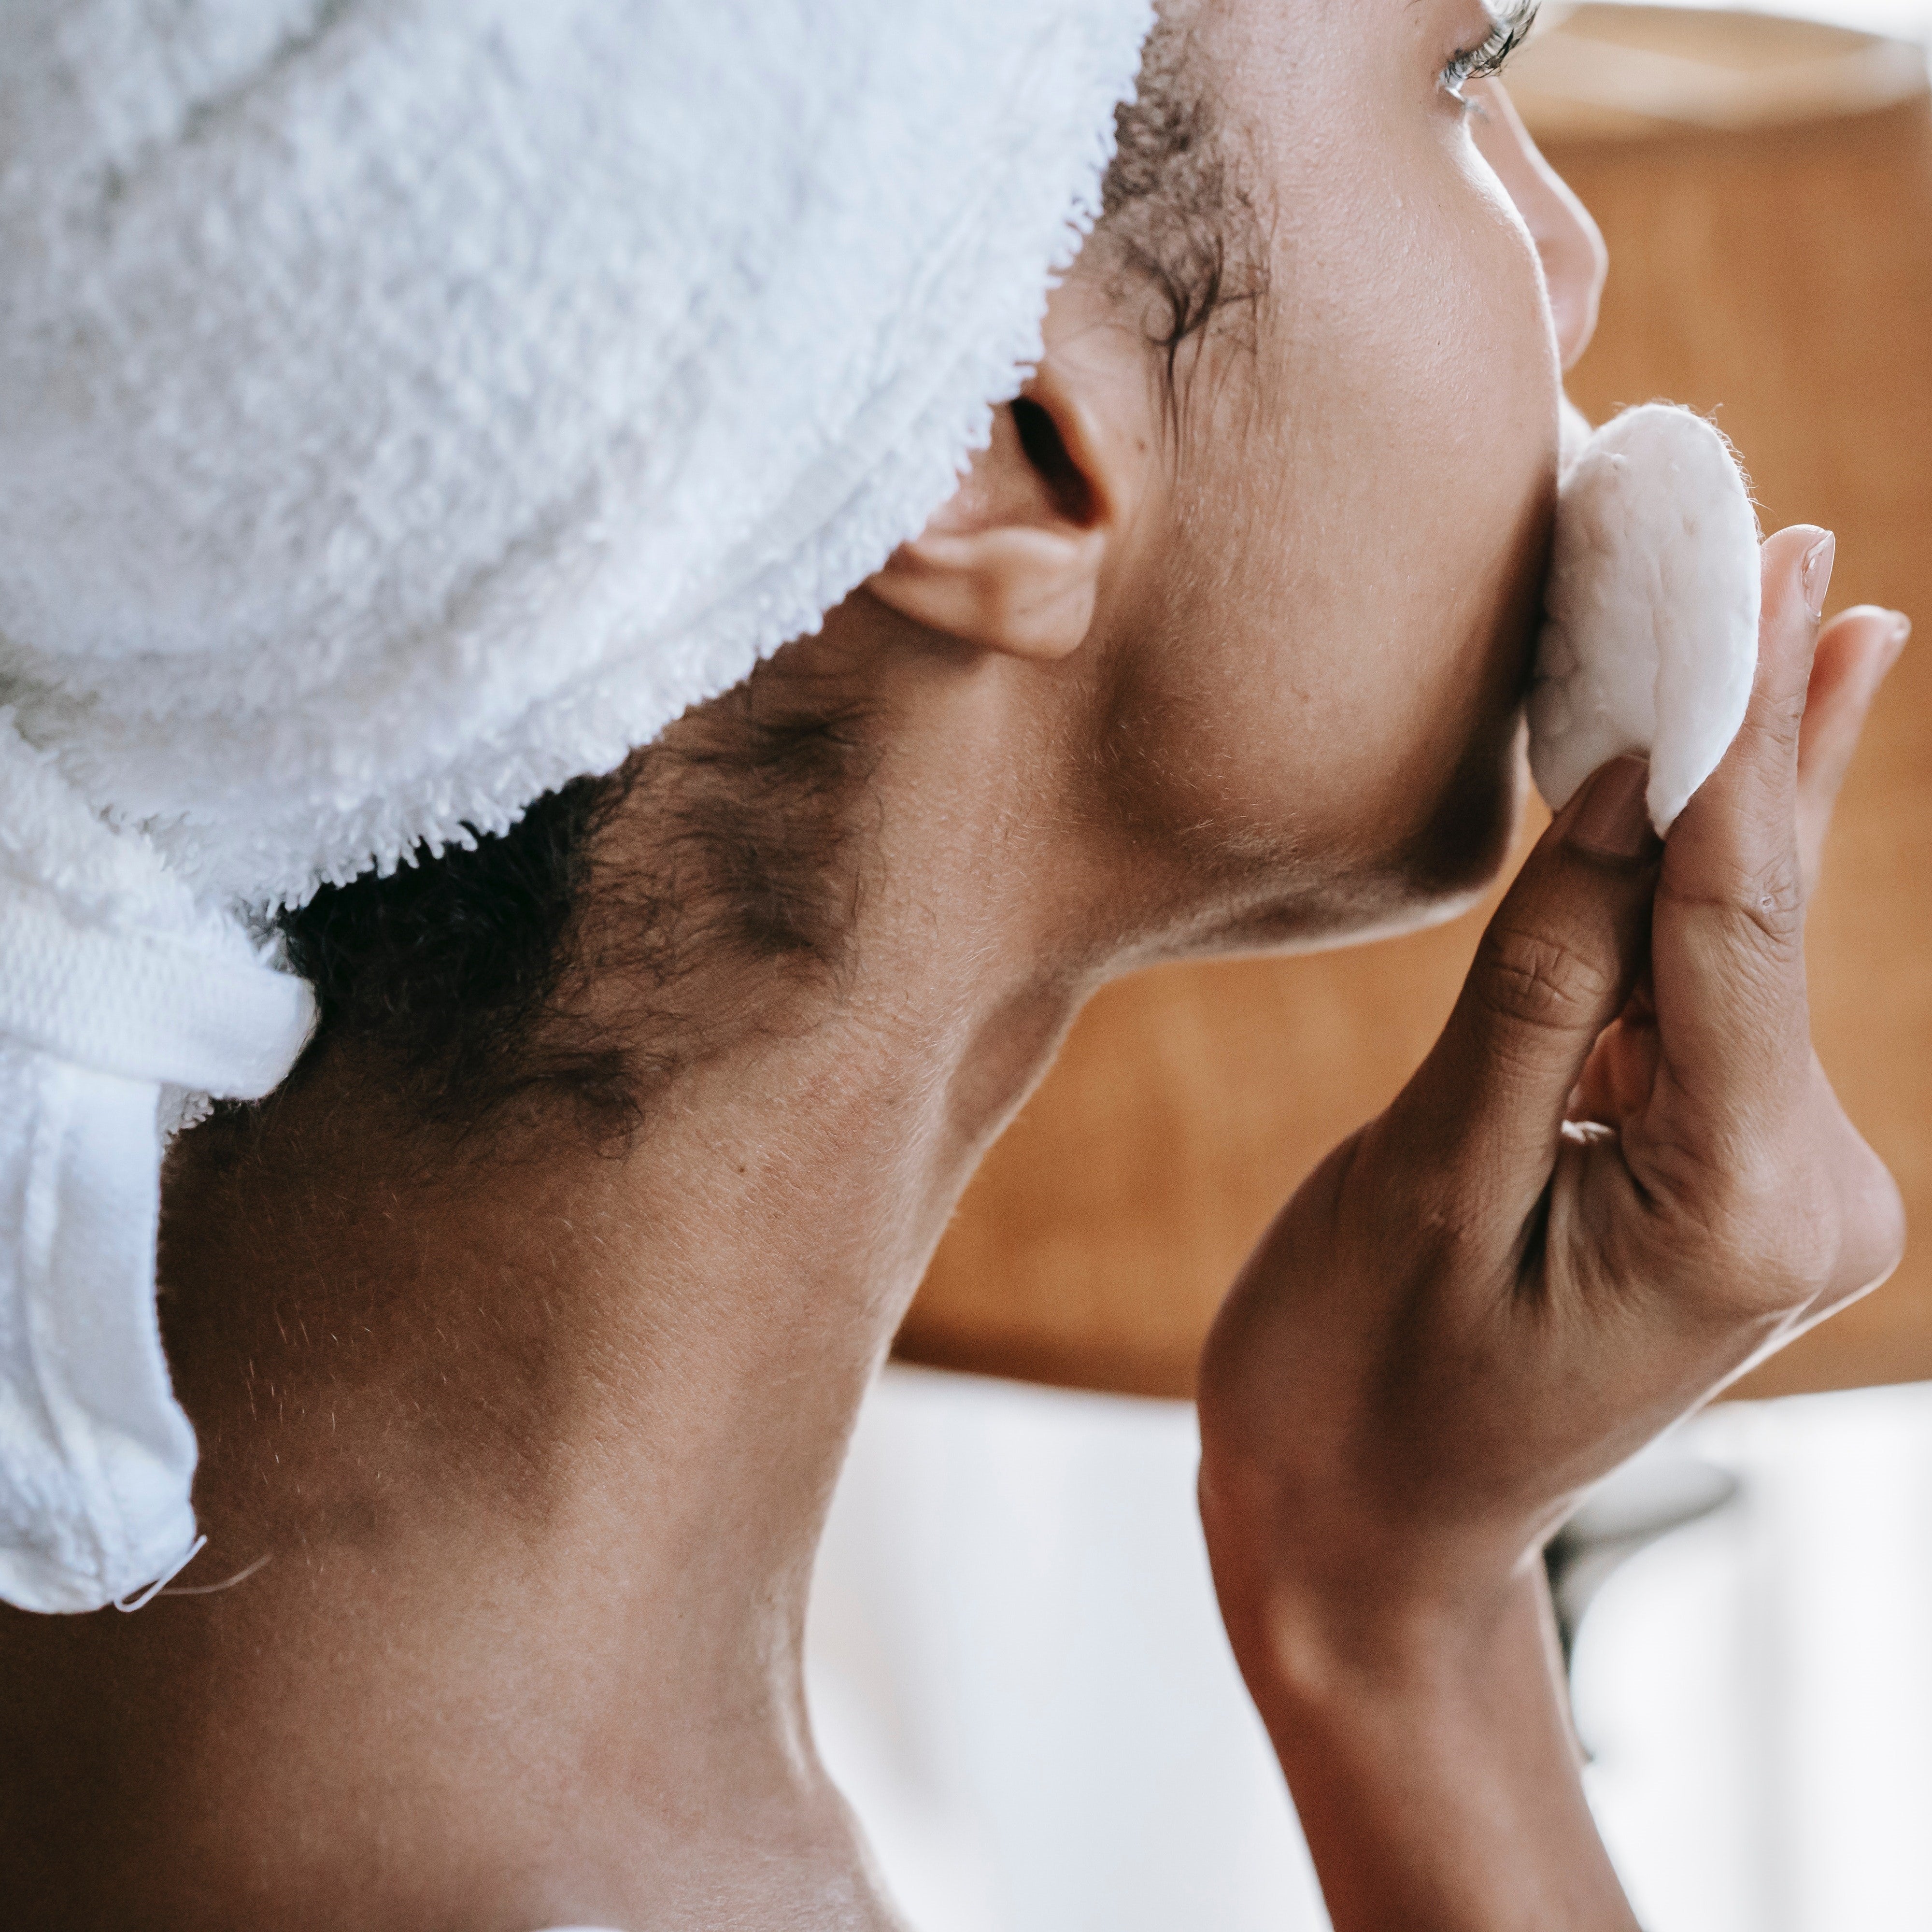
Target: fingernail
[
  {"x": 1613, "y": 821},
  {"x": 1901, "y": 629},
  {"x": 1815, "y": 578}
]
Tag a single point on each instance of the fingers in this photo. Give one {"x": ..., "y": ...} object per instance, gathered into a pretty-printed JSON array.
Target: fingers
[
  {"x": 1727, "y": 940},
  {"x": 1856, "y": 650},
  {"x": 1555, "y": 968},
  {"x": 1718, "y": 1061}
]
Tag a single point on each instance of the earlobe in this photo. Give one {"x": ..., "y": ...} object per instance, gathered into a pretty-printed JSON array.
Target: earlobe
[{"x": 1012, "y": 563}]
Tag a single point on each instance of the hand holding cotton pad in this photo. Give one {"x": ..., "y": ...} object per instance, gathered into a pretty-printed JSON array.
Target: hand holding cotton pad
[{"x": 1649, "y": 641}]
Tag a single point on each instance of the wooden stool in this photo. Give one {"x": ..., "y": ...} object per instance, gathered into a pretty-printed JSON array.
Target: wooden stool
[{"x": 1766, "y": 186}]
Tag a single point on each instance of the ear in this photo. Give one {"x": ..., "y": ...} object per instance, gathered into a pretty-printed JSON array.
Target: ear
[{"x": 1012, "y": 561}]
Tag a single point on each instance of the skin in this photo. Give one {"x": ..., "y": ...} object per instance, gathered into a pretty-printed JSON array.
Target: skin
[
  {"x": 537, "y": 1436},
  {"x": 1620, "y": 1176}
]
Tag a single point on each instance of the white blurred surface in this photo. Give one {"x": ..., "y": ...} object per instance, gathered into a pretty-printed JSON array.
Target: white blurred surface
[
  {"x": 1757, "y": 1688},
  {"x": 1018, "y": 1677}
]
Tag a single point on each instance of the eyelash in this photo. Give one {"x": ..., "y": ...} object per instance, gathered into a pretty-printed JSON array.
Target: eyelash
[{"x": 1489, "y": 55}]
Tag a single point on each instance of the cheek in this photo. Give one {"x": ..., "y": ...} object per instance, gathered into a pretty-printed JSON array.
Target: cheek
[
  {"x": 1409, "y": 413},
  {"x": 1367, "y": 505}
]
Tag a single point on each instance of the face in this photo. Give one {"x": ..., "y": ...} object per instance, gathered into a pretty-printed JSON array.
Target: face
[{"x": 1327, "y": 615}]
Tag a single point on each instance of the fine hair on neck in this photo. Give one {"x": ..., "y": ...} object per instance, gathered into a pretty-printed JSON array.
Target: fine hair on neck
[{"x": 626, "y": 928}]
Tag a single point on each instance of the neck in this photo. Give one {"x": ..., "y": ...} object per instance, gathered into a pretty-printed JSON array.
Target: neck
[{"x": 537, "y": 1445}]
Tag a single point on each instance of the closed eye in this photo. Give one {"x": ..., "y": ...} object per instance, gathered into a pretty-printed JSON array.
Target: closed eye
[{"x": 1509, "y": 25}]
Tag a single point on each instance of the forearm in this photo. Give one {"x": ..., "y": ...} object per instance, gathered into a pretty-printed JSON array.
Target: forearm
[{"x": 1434, "y": 1768}]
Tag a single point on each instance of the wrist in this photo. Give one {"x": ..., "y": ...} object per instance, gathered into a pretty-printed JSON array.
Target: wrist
[
  {"x": 1427, "y": 1740},
  {"x": 1340, "y": 1621},
  {"x": 1458, "y": 1703},
  {"x": 1329, "y": 1657},
  {"x": 1408, "y": 1674}
]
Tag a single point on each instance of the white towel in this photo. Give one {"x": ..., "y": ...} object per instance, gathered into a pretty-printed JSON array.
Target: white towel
[{"x": 406, "y": 406}]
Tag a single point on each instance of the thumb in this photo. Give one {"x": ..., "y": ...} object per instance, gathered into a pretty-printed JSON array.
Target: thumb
[{"x": 1556, "y": 967}]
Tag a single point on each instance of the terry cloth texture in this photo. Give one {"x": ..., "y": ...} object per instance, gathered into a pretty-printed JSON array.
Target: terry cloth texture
[{"x": 406, "y": 406}]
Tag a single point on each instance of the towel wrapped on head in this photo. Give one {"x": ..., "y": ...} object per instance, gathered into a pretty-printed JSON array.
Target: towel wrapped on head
[{"x": 406, "y": 406}]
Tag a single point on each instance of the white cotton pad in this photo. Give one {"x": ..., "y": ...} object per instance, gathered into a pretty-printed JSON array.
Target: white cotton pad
[{"x": 1649, "y": 640}]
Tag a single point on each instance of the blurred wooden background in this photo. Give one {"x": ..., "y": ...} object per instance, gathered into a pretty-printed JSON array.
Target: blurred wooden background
[{"x": 1765, "y": 188}]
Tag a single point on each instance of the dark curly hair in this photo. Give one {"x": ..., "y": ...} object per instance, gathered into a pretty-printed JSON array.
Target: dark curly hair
[
  {"x": 548, "y": 962},
  {"x": 475, "y": 972},
  {"x": 1177, "y": 216}
]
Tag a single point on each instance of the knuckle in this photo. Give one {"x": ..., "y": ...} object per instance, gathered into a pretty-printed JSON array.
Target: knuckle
[
  {"x": 1448, "y": 1221},
  {"x": 1537, "y": 980},
  {"x": 1770, "y": 896},
  {"x": 1761, "y": 906},
  {"x": 1778, "y": 712}
]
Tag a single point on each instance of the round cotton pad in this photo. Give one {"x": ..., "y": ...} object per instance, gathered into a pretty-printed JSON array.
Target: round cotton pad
[{"x": 1649, "y": 641}]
